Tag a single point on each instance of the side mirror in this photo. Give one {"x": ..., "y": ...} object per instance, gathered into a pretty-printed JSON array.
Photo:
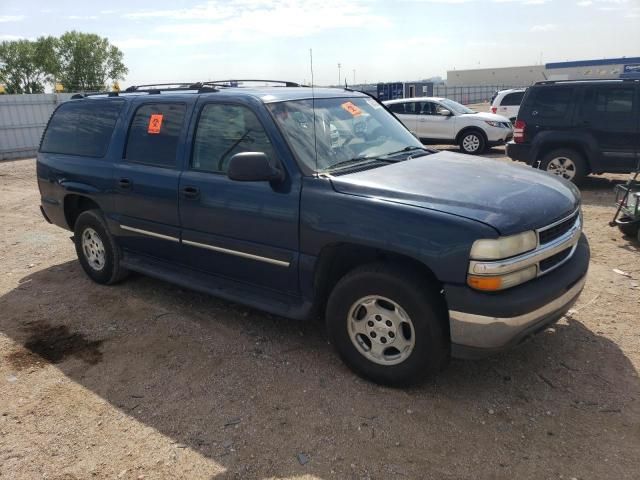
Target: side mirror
[
  {"x": 252, "y": 167},
  {"x": 444, "y": 112}
]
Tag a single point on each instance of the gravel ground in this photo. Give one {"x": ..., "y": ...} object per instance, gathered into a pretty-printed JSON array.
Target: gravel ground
[{"x": 147, "y": 380}]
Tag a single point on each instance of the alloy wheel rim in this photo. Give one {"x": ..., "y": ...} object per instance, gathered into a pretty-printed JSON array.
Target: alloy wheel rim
[
  {"x": 381, "y": 330},
  {"x": 563, "y": 167},
  {"x": 93, "y": 249},
  {"x": 471, "y": 143}
]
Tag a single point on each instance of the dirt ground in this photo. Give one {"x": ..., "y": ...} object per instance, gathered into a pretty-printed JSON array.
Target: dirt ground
[{"x": 147, "y": 380}]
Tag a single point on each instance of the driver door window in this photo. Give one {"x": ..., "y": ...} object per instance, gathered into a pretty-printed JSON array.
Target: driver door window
[{"x": 224, "y": 130}]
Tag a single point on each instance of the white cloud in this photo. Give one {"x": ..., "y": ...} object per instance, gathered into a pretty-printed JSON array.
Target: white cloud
[
  {"x": 547, "y": 27},
  {"x": 242, "y": 20},
  {"x": 11, "y": 18},
  {"x": 82, "y": 17},
  {"x": 132, "y": 43}
]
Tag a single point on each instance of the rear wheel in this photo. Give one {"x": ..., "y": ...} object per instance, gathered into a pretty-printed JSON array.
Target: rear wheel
[
  {"x": 565, "y": 163},
  {"x": 387, "y": 325},
  {"x": 472, "y": 142},
  {"x": 96, "y": 248}
]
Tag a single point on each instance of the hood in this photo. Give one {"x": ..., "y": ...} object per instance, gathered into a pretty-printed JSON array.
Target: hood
[
  {"x": 510, "y": 198},
  {"x": 482, "y": 116}
]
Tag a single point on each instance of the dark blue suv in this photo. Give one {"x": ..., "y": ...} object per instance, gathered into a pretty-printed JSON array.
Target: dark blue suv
[{"x": 315, "y": 202}]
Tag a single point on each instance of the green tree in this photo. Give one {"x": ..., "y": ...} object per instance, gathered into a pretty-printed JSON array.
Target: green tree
[
  {"x": 87, "y": 62},
  {"x": 26, "y": 66}
]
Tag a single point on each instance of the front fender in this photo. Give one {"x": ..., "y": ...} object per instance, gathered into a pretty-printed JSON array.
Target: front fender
[{"x": 438, "y": 240}]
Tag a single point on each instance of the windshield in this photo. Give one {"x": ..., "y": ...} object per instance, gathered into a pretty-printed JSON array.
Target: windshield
[
  {"x": 348, "y": 131},
  {"x": 455, "y": 107}
]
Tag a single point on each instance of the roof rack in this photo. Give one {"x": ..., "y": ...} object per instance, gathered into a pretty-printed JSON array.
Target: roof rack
[
  {"x": 153, "y": 89},
  {"x": 238, "y": 81},
  {"x": 596, "y": 80},
  {"x": 200, "y": 87}
]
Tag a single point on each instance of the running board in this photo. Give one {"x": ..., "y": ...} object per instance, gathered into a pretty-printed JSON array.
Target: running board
[{"x": 269, "y": 301}]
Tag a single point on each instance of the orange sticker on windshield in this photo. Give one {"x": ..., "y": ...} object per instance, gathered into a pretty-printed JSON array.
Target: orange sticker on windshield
[
  {"x": 155, "y": 123},
  {"x": 352, "y": 109}
]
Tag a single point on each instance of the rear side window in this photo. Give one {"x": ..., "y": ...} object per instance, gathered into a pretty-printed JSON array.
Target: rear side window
[
  {"x": 612, "y": 106},
  {"x": 82, "y": 127},
  {"x": 224, "y": 130},
  {"x": 397, "y": 107},
  {"x": 512, "y": 99},
  {"x": 614, "y": 100},
  {"x": 551, "y": 102},
  {"x": 154, "y": 134}
]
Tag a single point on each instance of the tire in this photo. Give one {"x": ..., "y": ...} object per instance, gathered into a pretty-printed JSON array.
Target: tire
[
  {"x": 472, "y": 142},
  {"x": 565, "y": 163},
  {"x": 629, "y": 229},
  {"x": 97, "y": 250},
  {"x": 398, "y": 306}
]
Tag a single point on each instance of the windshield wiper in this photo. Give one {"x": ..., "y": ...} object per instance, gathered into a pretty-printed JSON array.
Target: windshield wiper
[
  {"x": 379, "y": 158},
  {"x": 346, "y": 163},
  {"x": 405, "y": 149}
]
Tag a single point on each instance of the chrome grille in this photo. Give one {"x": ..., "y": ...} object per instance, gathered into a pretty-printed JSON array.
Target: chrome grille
[
  {"x": 556, "y": 230},
  {"x": 554, "y": 260}
]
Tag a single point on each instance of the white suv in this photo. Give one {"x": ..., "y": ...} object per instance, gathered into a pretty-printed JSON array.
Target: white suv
[
  {"x": 440, "y": 120},
  {"x": 507, "y": 103}
]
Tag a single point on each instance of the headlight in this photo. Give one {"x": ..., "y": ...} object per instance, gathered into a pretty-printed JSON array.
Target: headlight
[
  {"x": 504, "y": 247},
  {"x": 494, "y": 124}
]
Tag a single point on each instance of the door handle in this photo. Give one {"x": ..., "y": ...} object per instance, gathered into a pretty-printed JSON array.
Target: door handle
[
  {"x": 124, "y": 183},
  {"x": 190, "y": 192}
]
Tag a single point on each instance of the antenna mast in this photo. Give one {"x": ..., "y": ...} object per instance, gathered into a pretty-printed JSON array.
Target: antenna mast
[{"x": 313, "y": 108}]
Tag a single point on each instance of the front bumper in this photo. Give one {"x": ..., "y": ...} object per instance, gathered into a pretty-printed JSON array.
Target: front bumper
[
  {"x": 498, "y": 136},
  {"x": 482, "y": 324}
]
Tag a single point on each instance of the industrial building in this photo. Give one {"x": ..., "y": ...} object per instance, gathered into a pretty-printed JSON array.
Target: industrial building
[{"x": 624, "y": 67}]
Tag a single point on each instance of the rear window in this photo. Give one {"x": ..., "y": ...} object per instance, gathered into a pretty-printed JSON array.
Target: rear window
[
  {"x": 154, "y": 134},
  {"x": 512, "y": 99},
  {"x": 82, "y": 127},
  {"x": 550, "y": 102}
]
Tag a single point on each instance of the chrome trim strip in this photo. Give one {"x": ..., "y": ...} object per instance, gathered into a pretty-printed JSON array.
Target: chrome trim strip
[
  {"x": 502, "y": 267},
  {"x": 150, "y": 234},
  {"x": 491, "y": 332},
  {"x": 272, "y": 261},
  {"x": 551, "y": 225}
]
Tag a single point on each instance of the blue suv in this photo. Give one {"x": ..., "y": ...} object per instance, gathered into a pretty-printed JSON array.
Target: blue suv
[{"x": 311, "y": 203}]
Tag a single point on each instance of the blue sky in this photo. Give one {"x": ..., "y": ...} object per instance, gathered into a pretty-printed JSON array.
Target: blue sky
[{"x": 381, "y": 40}]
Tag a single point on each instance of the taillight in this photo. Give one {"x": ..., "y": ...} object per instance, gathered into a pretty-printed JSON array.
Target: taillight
[
  {"x": 518, "y": 131},
  {"x": 494, "y": 109}
]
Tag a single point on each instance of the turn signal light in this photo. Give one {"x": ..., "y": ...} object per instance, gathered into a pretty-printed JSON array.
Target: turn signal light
[
  {"x": 488, "y": 284},
  {"x": 492, "y": 283}
]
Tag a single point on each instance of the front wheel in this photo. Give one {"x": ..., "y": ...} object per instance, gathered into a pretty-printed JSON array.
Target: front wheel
[
  {"x": 387, "y": 324},
  {"x": 472, "y": 143}
]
